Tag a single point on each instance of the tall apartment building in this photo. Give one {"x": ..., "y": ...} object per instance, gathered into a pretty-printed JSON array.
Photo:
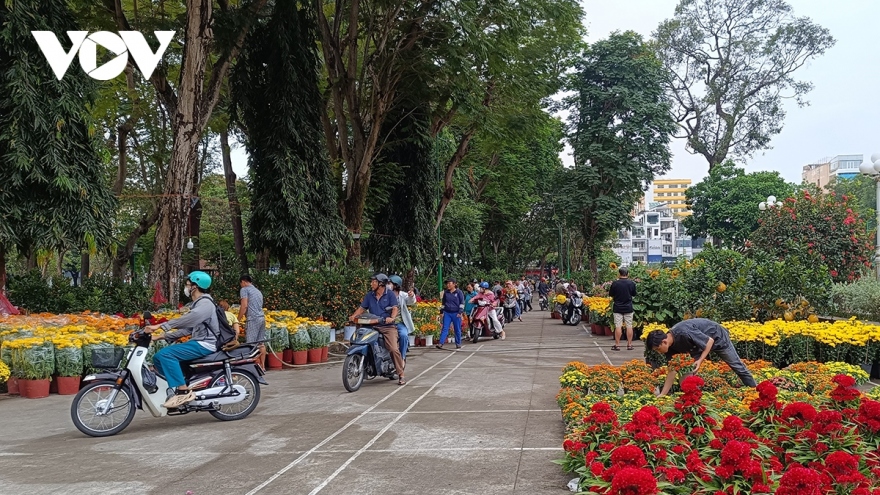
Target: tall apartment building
[
  {"x": 670, "y": 192},
  {"x": 824, "y": 170}
]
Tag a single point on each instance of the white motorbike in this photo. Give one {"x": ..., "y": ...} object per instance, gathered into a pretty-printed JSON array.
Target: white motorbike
[{"x": 226, "y": 384}]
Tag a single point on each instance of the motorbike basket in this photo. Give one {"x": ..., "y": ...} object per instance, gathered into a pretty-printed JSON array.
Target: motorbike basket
[{"x": 107, "y": 358}]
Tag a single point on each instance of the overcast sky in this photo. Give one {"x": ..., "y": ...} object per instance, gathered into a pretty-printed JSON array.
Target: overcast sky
[{"x": 844, "y": 112}]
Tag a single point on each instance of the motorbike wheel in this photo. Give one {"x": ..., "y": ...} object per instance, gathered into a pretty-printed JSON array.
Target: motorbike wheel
[
  {"x": 476, "y": 332},
  {"x": 353, "y": 372},
  {"x": 83, "y": 411},
  {"x": 239, "y": 410},
  {"x": 575, "y": 318}
]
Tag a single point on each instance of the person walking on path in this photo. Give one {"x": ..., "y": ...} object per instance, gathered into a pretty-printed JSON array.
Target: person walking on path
[
  {"x": 251, "y": 312},
  {"x": 452, "y": 308},
  {"x": 622, "y": 291},
  {"x": 527, "y": 296},
  {"x": 698, "y": 337}
]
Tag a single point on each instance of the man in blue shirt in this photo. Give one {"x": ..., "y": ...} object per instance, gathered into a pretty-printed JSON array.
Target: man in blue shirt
[
  {"x": 452, "y": 308},
  {"x": 382, "y": 302}
]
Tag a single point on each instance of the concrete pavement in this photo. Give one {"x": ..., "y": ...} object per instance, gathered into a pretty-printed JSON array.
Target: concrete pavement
[{"x": 481, "y": 420}]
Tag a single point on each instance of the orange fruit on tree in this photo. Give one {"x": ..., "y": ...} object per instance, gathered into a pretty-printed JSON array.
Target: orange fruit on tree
[
  {"x": 813, "y": 319},
  {"x": 788, "y": 316},
  {"x": 722, "y": 287}
]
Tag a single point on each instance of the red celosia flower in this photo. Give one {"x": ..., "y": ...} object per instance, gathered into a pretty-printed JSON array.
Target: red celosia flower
[
  {"x": 799, "y": 481},
  {"x": 633, "y": 481},
  {"x": 767, "y": 390},
  {"x": 692, "y": 383},
  {"x": 628, "y": 455},
  {"x": 843, "y": 467},
  {"x": 844, "y": 380},
  {"x": 799, "y": 410}
]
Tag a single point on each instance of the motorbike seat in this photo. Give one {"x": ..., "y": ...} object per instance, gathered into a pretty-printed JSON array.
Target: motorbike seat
[{"x": 240, "y": 352}]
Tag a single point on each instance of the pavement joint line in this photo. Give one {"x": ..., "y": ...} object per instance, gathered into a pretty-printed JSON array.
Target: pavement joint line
[
  {"x": 345, "y": 427},
  {"x": 466, "y": 412},
  {"x": 383, "y": 430},
  {"x": 603, "y": 353}
]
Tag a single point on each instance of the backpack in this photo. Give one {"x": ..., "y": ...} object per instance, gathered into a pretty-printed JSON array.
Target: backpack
[{"x": 227, "y": 339}]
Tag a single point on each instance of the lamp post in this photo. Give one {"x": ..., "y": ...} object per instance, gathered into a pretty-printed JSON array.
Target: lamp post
[
  {"x": 872, "y": 170},
  {"x": 770, "y": 203}
]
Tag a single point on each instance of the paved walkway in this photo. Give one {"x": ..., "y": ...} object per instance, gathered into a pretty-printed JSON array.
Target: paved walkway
[{"x": 482, "y": 420}]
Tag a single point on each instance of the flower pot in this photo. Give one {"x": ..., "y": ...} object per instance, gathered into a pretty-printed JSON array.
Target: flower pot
[
  {"x": 34, "y": 389},
  {"x": 412, "y": 340},
  {"x": 314, "y": 355},
  {"x": 429, "y": 340},
  {"x": 608, "y": 331},
  {"x": 555, "y": 316},
  {"x": 595, "y": 329},
  {"x": 300, "y": 357},
  {"x": 325, "y": 354},
  {"x": 68, "y": 385},
  {"x": 332, "y": 335},
  {"x": 349, "y": 332},
  {"x": 287, "y": 356},
  {"x": 53, "y": 385},
  {"x": 420, "y": 342},
  {"x": 12, "y": 386},
  {"x": 273, "y": 360}
]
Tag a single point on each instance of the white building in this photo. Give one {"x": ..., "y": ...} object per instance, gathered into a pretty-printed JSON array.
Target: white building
[{"x": 655, "y": 236}]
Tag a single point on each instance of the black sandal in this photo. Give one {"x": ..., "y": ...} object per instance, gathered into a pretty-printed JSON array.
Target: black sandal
[
  {"x": 401, "y": 381},
  {"x": 615, "y": 348},
  {"x": 629, "y": 347}
]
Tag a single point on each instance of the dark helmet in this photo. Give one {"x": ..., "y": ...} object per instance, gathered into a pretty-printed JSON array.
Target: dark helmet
[{"x": 380, "y": 277}]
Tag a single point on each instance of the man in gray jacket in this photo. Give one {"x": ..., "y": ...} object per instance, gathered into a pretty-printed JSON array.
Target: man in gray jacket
[
  {"x": 203, "y": 328},
  {"x": 405, "y": 326}
]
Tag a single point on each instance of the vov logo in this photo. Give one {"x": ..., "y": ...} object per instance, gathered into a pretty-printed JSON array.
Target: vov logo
[{"x": 86, "y": 45}]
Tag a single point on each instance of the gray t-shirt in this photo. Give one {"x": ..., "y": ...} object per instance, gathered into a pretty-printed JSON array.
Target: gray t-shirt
[{"x": 255, "y": 301}]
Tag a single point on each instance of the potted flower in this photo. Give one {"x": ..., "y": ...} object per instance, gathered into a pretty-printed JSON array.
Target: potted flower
[
  {"x": 35, "y": 360},
  {"x": 299, "y": 342},
  {"x": 317, "y": 342},
  {"x": 429, "y": 330},
  {"x": 278, "y": 341},
  {"x": 68, "y": 364},
  {"x": 12, "y": 379}
]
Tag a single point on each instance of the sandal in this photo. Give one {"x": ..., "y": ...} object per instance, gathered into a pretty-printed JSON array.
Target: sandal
[
  {"x": 615, "y": 348},
  {"x": 401, "y": 381},
  {"x": 629, "y": 347},
  {"x": 438, "y": 346}
]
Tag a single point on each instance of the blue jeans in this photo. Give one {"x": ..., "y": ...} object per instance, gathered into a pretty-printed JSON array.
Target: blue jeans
[
  {"x": 167, "y": 360},
  {"x": 728, "y": 354},
  {"x": 403, "y": 339},
  {"x": 518, "y": 311},
  {"x": 455, "y": 320}
]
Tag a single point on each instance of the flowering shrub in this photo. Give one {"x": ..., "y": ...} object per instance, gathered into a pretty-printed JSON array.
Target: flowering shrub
[{"x": 687, "y": 446}]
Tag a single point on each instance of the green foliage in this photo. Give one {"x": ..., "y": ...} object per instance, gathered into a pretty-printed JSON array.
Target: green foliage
[
  {"x": 300, "y": 340},
  {"x": 275, "y": 88},
  {"x": 862, "y": 193},
  {"x": 68, "y": 361},
  {"x": 725, "y": 204},
  {"x": 730, "y": 64},
  {"x": 619, "y": 129},
  {"x": 54, "y": 190},
  {"x": 98, "y": 293},
  {"x": 319, "y": 336},
  {"x": 313, "y": 289},
  {"x": 818, "y": 223},
  {"x": 860, "y": 298}
]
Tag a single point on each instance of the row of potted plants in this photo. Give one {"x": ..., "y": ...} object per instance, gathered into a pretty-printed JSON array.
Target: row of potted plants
[{"x": 815, "y": 443}]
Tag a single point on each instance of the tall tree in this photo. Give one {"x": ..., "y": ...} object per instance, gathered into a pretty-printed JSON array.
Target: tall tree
[
  {"x": 53, "y": 191},
  {"x": 275, "y": 84},
  {"x": 725, "y": 204},
  {"x": 205, "y": 62},
  {"x": 731, "y": 63},
  {"x": 619, "y": 129}
]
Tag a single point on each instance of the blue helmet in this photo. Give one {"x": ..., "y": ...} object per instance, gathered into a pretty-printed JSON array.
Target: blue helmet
[
  {"x": 396, "y": 280},
  {"x": 201, "y": 279},
  {"x": 484, "y": 285}
]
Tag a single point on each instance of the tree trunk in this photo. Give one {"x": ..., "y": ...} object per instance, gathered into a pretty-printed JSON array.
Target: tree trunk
[
  {"x": 262, "y": 264},
  {"x": 31, "y": 259},
  {"x": 195, "y": 230},
  {"x": 454, "y": 162},
  {"x": 122, "y": 258},
  {"x": 353, "y": 210},
  {"x": 234, "y": 206},
  {"x": 85, "y": 265},
  {"x": 2, "y": 269}
]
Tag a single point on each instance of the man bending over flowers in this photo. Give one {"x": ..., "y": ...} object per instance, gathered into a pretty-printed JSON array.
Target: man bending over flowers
[{"x": 698, "y": 337}]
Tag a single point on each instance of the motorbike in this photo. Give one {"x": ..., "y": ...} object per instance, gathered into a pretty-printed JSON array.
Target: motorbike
[
  {"x": 572, "y": 311},
  {"x": 226, "y": 385},
  {"x": 478, "y": 329},
  {"x": 509, "y": 304},
  {"x": 367, "y": 356},
  {"x": 542, "y": 300}
]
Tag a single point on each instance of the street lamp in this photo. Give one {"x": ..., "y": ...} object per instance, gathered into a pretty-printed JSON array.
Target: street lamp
[
  {"x": 872, "y": 169},
  {"x": 770, "y": 203},
  {"x": 189, "y": 243}
]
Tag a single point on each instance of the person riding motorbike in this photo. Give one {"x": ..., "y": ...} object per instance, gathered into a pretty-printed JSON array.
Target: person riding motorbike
[
  {"x": 203, "y": 328},
  {"x": 487, "y": 311},
  {"x": 383, "y": 303},
  {"x": 405, "y": 324}
]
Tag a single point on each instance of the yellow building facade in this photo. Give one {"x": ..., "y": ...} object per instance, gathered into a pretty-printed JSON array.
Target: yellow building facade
[{"x": 670, "y": 192}]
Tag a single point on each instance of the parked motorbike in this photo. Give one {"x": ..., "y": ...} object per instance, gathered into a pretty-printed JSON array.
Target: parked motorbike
[
  {"x": 367, "y": 355},
  {"x": 478, "y": 329},
  {"x": 226, "y": 384},
  {"x": 573, "y": 309}
]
